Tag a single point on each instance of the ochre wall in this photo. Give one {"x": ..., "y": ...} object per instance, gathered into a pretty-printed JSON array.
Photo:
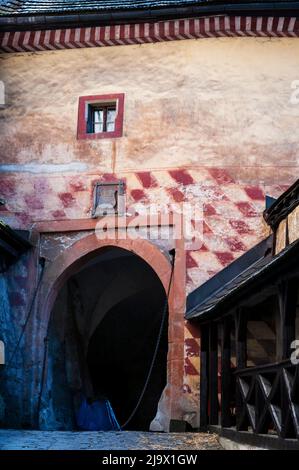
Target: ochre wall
[{"x": 207, "y": 121}]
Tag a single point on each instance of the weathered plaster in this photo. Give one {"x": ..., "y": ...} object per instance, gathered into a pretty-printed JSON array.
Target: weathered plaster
[
  {"x": 227, "y": 104},
  {"x": 209, "y": 122}
]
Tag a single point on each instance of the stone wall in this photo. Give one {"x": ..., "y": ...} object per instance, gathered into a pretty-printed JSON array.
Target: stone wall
[{"x": 17, "y": 290}]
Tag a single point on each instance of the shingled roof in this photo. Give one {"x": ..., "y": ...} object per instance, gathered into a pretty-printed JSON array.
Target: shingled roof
[
  {"x": 37, "y": 7},
  {"x": 26, "y": 7},
  {"x": 24, "y": 15},
  {"x": 201, "y": 305}
]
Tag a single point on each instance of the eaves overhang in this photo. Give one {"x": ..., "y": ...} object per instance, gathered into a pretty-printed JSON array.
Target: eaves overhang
[
  {"x": 39, "y": 19},
  {"x": 285, "y": 204}
]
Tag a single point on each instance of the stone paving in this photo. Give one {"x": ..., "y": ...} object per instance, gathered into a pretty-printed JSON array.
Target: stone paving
[{"x": 128, "y": 440}]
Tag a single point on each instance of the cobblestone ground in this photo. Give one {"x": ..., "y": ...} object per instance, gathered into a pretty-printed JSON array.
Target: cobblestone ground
[{"x": 129, "y": 440}]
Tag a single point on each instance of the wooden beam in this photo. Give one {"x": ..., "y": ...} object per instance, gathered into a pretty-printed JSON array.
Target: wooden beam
[
  {"x": 241, "y": 359},
  {"x": 241, "y": 337},
  {"x": 204, "y": 377},
  {"x": 213, "y": 373},
  {"x": 226, "y": 372},
  {"x": 287, "y": 299}
]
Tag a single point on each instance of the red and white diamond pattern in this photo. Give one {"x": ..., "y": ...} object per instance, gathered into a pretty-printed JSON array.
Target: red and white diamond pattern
[{"x": 232, "y": 221}]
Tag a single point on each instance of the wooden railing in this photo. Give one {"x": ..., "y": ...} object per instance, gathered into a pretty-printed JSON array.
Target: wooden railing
[{"x": 267, "y": 399}]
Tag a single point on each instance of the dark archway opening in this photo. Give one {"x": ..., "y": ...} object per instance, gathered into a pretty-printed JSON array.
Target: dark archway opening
[
  {"x": 120, "y": 354},
  {"x": 102, "y": 336}
]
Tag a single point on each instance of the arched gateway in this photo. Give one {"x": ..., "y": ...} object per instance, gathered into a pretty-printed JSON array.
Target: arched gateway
[{"x": 101, "y": 304}]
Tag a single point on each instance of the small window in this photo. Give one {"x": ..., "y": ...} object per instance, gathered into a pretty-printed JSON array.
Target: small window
[
  {"x": 100, "y": 116},
  {"x": 108, "y": 199}
]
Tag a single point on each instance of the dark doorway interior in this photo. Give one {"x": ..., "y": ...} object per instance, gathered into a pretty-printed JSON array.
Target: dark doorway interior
[
  {"x": 120, "y": 353},
  {"x": 102, "y": 337}
]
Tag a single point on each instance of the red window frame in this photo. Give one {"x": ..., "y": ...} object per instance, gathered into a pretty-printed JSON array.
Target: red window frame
[{"x": 84, "y": 101}]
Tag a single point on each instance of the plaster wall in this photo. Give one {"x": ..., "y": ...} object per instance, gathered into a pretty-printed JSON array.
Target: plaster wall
[
  {"x": 212, "y": 122},
  {"x": 216, "y": 102}
]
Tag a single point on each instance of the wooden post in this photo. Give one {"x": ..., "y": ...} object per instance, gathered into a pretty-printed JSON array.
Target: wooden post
[
  {"x": 287, "y": 298},
  {"x": 213, "y": 373},
  {"x": 241, "y": 358},
  {"x": 241, "y": 338},
  {"x": 204, "y": 377},
  {"x": 226, "y": 373}
]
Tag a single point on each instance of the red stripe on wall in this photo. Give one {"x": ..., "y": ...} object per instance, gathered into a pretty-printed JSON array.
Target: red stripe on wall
[{"x": 208, "y": 27}]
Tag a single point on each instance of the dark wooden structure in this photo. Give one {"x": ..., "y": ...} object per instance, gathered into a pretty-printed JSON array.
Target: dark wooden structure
[
  {"x": 249, "y": 366},
  {"x": 13, "y": 243}
]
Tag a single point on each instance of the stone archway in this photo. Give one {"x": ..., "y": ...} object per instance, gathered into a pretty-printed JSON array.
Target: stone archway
[{"x": 62, "y": 267}]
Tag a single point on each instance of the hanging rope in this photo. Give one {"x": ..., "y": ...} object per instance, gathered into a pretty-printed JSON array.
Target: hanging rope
[{"x": 164, "y": 314}]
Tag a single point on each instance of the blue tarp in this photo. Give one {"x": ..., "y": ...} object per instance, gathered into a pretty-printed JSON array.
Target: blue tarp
[{"x": 97, "y": 416}]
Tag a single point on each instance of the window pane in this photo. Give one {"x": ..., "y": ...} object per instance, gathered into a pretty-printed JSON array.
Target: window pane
[
  {"x": 111, "y": 115},
  {"x": 110, "y": 126},
  {"x": 101, "y": 118},
  {"x": 98, "y": 127},
  {"x": 111, "y": 120},
  {"x": 98, "y": 115}
]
